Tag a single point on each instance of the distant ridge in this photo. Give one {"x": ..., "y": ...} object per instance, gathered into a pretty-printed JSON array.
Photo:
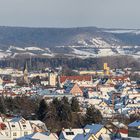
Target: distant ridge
[{"x": 77, "y": 41}]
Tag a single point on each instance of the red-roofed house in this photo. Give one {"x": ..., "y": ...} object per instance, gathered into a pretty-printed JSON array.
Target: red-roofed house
[
  {"x": 75, "y": 90},
  {"x": 84, "y": 81}
]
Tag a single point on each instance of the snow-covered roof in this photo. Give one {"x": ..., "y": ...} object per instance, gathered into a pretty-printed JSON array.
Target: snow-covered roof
[
  {"x": 119, "y": 125},
  {"x": 24, "y": 124},
  {"x": 14, "y": 126},
  {"x": 82, "y": 136},
  {"x": 16, "y": 119},
  {"x": 94, "y": 128},
  {"x": 135, "y": 124},
  {"x": 39, "y": 136},
  {"x": 71, "y": 133}
]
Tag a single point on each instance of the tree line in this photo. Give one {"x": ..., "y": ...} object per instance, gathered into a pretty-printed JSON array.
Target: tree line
[
  {"x": 64, "y": 113},
  {"x": 56, "y": 113},
  {"x": 37, "y": 63}
]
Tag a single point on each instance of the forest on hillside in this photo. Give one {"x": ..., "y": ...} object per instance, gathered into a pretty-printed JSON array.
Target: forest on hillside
[{"x": 39, "y": 63}]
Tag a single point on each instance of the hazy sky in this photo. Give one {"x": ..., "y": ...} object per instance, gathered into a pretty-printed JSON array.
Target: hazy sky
[{"x": 70, "y": 13}]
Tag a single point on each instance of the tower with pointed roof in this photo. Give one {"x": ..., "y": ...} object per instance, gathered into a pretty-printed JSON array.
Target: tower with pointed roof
[{"x": 25, "y": 74}]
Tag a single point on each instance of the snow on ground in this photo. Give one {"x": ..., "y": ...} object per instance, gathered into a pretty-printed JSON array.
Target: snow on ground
[
  {"x": 120, "y": 51},
  {"x": 137, "y": 32},
  {"x": 105, "y": 52},
  {"x": 26, "y": 53},
  {"x": 47, "y": 54},
  {"x": 100, "y": 43},
  {"x": 33, "y": 49},
  {"x": 3, "y": 55},
  {"x": 8, "y": 51},
  {"x": 77, "y": 46},
  {"x": 15, "y": 48},
  {"x": 120, "y": 31},
  {"x": 47, "y": 49},
  {"x": 82, "y": 53},
  {"x": 83, "y": 42},
  {"x": 60, "y": 46},
  {"x": 25, "y": 49},
  {"x": 138, "y": 53}
]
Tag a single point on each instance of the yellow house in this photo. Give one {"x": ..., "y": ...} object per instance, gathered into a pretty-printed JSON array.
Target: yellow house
[
  {"x": 109, "y": 81},
  {"x": 106, "y": 69},
  {"x": 103, "y": 104},
  {"x": 87, "y": 72}
]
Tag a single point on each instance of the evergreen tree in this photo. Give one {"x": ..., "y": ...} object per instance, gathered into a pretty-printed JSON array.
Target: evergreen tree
[
  {"x": 93, "y": 115},
  {"x": 43, "y": 108},
  {"x": 75, "y": 105},
  {"x": 63, "y": 109},
  {"x": 56, "y": 103},
  {"x": 65, "y": 112},
  {"x": 134, "y": 117},
  {"x": 65, "y": 100},
  {"x": 2, "y": 108}
]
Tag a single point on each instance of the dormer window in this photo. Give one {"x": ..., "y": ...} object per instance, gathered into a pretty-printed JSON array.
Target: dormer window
[
  {"x": 69, "y": 133},
  {"x": 14, "y": 134},
  {"x": 6, "y": 133}
]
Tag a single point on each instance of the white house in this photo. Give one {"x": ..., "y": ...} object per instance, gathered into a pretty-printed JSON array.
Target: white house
[
  {"x": 19, "y": 127},
  {"x": 69, "y": 134}
]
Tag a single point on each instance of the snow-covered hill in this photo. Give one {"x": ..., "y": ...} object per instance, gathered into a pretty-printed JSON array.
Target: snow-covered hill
[
  {"x": 99, "y": 47},
  {"x": 73, "y": 42},
  {"x": 95, "y": 47}
]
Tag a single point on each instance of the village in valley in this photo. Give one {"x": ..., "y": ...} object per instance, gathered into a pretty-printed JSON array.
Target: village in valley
[{"x": 109, "y": 99}]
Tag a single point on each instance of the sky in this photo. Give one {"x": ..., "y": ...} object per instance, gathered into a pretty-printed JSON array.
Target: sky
[{"x": 70, "y": 13}]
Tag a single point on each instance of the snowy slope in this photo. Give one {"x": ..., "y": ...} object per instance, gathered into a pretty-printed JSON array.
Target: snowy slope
[
  {"x": 33, "y": 49},
  {"x": 121, "y": 31}
]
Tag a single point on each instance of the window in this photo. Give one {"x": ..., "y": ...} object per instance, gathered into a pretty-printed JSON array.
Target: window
[
  {"x": 6, "y": 133},
  {"x": 25, "y": 133},
  {"x": 14, "y": 134},
  {"x": 69, "y": 133},
  {"x": 13, "y": 125},
  {"x": 24, "y": 125}
]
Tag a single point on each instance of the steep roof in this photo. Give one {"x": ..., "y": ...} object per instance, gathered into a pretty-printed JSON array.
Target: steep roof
[
  {"x": 82, "y": 136},
  {"x": 72, "y": 133},
  {"x": 94, "y": 128},
  {"x": 134, "y": 124},
  {"x": 39, "y": 136}
]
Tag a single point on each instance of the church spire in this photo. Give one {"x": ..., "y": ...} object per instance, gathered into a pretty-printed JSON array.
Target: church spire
[{"x": 25, "y": 74}]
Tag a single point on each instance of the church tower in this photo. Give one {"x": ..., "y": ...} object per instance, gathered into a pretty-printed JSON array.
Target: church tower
[
  {"x": 25, "y": 74},
  {"x": 106, "y": 69},
  {"x": 52, "y": 79}
]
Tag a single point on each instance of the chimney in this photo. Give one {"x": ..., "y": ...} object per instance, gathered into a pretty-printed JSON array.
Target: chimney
[{"x": 84, "y": 132}]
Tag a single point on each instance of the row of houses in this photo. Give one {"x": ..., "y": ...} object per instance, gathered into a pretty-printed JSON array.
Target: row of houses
[
  {"x": 113, "y": 93},
  {"x": 18, "y": 128}
]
